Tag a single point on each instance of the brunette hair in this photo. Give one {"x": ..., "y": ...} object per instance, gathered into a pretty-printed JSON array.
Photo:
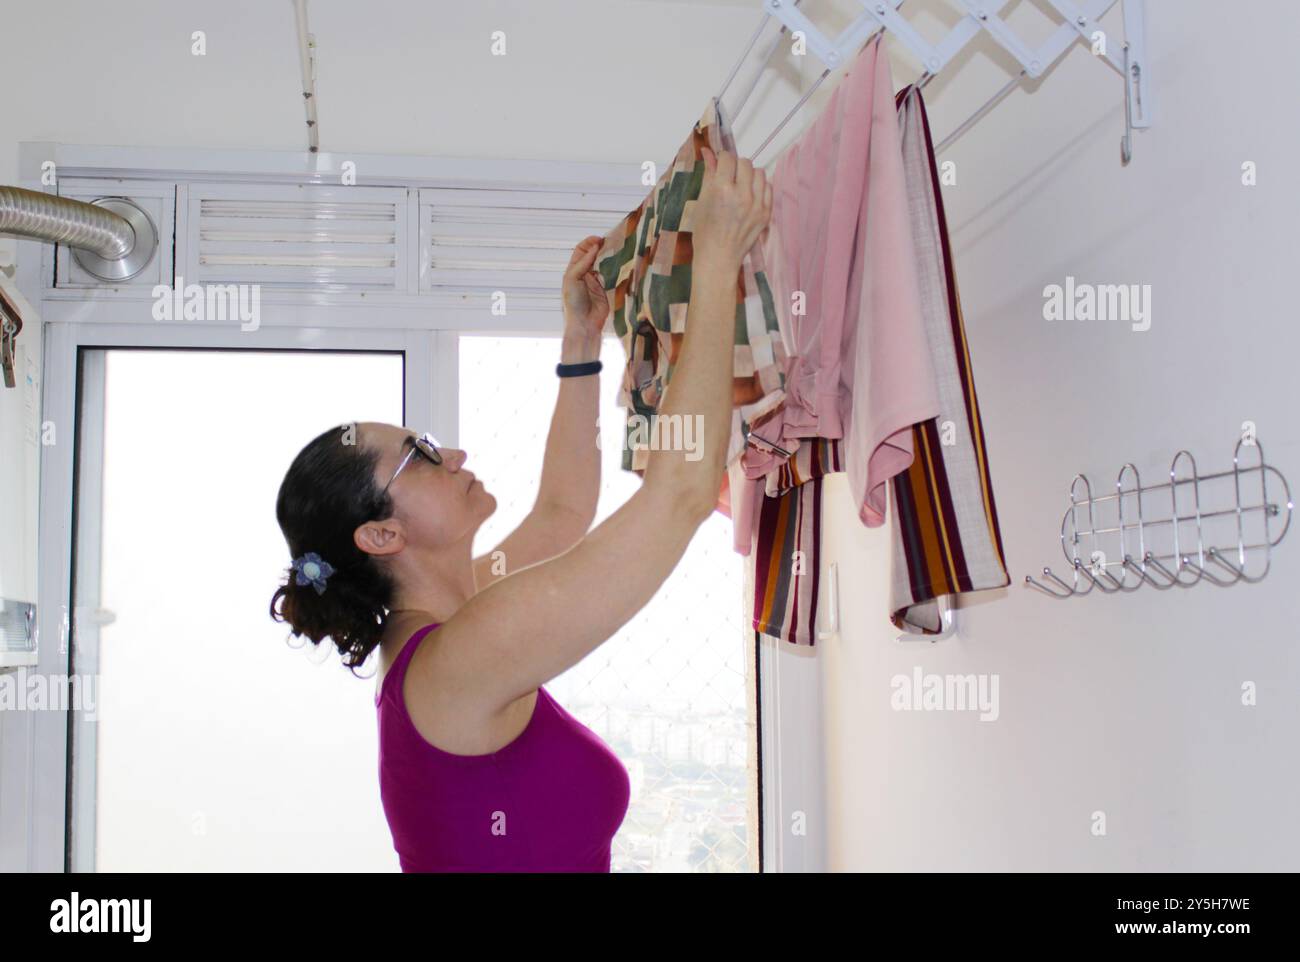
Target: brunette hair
[{"x": 327, "y": 493}]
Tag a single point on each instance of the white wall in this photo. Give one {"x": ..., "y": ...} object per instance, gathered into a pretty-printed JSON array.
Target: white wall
[{"x": 1128, "y": 705}]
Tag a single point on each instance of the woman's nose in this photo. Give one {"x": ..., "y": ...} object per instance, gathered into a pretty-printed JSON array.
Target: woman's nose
[{"x": 457, "y": 458}]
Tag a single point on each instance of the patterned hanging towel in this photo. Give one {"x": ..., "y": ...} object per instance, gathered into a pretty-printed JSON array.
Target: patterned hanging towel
[
  {"x": 946, "y": 537},
  {"x": 645, "y": 265}
]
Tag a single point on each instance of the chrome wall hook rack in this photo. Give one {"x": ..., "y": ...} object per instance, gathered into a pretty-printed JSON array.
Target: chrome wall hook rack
[{"x": 1116, "y": 544}]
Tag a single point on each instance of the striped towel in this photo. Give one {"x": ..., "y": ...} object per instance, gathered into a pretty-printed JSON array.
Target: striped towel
[
  {"x": 946, "y": 537},
  {"x": 787, "y": 552}
]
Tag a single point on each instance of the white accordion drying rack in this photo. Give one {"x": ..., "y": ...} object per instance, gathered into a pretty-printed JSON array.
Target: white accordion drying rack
[
  {"x": 1081, "y": 21},
  {"x": 1185, "y": 533}
]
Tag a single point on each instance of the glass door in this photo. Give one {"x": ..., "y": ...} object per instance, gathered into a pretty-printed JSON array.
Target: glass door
[{"x": 214, "y": 745}]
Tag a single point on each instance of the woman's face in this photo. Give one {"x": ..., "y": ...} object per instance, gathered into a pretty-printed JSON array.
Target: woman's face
[{"x": 436, "y": 503}]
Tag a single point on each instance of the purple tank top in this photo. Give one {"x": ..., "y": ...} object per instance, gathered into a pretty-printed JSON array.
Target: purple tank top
[{"x": 550, "y": 801}]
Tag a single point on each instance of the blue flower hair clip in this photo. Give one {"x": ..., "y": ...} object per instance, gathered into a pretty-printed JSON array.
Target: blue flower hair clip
[{"x": 312, "y": 570}]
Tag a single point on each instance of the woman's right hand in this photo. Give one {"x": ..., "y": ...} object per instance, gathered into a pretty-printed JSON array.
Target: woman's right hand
[{"x": 734, "y": 207}]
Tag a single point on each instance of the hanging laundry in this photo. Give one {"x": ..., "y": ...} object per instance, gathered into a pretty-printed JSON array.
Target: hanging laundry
[
  {"x": 839, "y": 253},
  {"x": 787, "y": 552},
  {"x": 946, "y": 537},
  {"x": 646, "y": 263}
]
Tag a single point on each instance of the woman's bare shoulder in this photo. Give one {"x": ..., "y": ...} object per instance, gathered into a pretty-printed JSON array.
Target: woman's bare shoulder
[
  {"x": 447, "y": 708},
  {"x": 437, "y": 671}
]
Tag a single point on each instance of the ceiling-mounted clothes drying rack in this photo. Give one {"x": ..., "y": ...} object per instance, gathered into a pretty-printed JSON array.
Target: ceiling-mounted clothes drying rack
[
  {"x": 1220, "y": 542},
  {"x": 1081, "y": 21}
]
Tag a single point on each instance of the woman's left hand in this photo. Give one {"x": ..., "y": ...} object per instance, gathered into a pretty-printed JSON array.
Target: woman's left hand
[{"x": 585, "y": 303}]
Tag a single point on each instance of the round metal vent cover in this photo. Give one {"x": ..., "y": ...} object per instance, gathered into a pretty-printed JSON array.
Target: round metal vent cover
[{"x": 138, "y": 258}]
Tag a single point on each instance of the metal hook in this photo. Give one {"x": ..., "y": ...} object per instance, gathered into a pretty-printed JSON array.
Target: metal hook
[
  {"x": 1126, "y": 142},
  {"x": 915, "y": 87},
  {"x": 1180, "y": 559},
  {"x": 1082, "y": 568},
  {"x": 1047, "y": 572},
  {"x": 1264, "y": 509},
  {"x": 1119, "y": 504},
  {"x": 1213, "y": 555},
  {"x": 751, "y": 438},
  {"x": 1092, "y": 533},
  {"x": 1141, "y": 571},
  {"x": 1202, "y": 573},
  {"x": 1153, "y": 561},
  {"x": 1073, "y": 555}
]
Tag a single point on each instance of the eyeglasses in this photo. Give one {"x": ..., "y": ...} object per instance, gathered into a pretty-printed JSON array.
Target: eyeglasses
[{"x": 425, "y": 445}]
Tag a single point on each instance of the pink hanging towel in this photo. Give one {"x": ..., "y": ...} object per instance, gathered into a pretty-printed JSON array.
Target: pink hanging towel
[{"x": 840, "y": 261}]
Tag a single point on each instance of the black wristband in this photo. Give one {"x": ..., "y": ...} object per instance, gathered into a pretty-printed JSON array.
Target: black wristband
[{"x": 577, "y": 370}]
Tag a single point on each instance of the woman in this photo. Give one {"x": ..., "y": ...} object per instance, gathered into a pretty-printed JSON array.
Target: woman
[{"x": 480, "y": 769}]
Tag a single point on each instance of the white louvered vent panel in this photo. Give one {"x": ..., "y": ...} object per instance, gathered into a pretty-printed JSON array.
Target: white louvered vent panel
[
  {"x": 296, "y": 237},
  {"x": 485, "y": 240}
]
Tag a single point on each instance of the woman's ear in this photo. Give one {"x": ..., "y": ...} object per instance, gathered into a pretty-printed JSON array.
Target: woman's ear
[{"x": 379, "y": 537}]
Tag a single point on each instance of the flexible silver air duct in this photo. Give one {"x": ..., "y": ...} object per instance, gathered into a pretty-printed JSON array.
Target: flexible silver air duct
[
  {"x": 60, "y": 220},
  {"x": 111, "y": 238}
]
